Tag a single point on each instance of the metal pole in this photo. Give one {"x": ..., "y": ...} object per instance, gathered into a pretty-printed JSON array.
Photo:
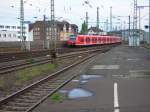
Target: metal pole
[
  {"x": 129, "y": 27},
  {"x": 139, "y": 18},
  {"x": 107, "y": 25},
  {"x": 53, "y": 31},
  {"x": 22, "y": 37},
  {"x": 149, "y": 22},
  {"x": 97, "y": 18},
  {"x": 110, "y": 18},
  {"x": 44, "y": 32},
  {"x": 87, "y": 19},
  {"x": 135, "y": 23},
  {"x": 124, "y": 31}
]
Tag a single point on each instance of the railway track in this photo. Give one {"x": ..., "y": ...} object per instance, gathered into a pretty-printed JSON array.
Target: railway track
[
  {"x": 30, "y": 97},
  {"x": 6, "y": 57},
  {"x": 24, "y": 64}
]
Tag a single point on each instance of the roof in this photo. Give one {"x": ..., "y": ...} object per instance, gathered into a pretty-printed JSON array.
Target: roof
[
  {"x": 59, "y": 24},
  {"x": 95, "y": 29}
]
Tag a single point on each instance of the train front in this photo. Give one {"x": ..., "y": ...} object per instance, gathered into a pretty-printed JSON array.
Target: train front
[{"x": 72, "y": 40}]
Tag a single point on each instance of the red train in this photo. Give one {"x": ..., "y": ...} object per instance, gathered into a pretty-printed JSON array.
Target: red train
[{"x": 87, "y": 40}]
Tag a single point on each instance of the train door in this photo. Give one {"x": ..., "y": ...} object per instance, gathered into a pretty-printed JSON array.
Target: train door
[
  {"x": 108, "y": 40},
  {"x": 80, "y": 40},
  {"x": 99, "y": 40},
  {"x": 87, "y": 39}
]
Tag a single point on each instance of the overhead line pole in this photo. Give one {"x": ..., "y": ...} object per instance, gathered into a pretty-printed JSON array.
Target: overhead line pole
[
  {"x": 149, "y": 22},
  {"x": 149, "y": 18},
  {"x": 53, "y": 31},
  {"x": 87, "y": 19},
  {"x": 97, "y": 17},
  {"x": 129, "y": 27},
  {"x": 111, "y": 18},
  {"x": 135, "y": 23},
  {"x": 22, "y": 37}
]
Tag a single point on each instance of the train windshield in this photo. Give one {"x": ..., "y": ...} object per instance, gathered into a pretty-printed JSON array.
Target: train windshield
[{"x": 73, "y": 37}]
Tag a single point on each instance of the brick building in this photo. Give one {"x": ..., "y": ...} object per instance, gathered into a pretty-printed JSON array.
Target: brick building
[{"x": 41, "y": 32}]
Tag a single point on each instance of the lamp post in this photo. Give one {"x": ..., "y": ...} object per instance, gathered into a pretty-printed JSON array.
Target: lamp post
[
  {"x": 111, "y": 18},
  {"x": 22, "y": 37},
  {"x": 149, "y": 22}
]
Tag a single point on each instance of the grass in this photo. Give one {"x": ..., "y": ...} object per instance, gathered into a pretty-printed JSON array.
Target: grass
[
  {"x": 30, "y": 60},
  {"x": 1, "y": 84},
  {"x": 146, "y": 46},
  {"x": 147, "y": 73},
  {"x": 29, "y": 73},
  {"x": 57, "y": 98}
]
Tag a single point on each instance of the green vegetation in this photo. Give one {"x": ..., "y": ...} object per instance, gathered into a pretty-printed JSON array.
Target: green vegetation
[
  {"x": 1, "y": 84},
  {"x": 29, "y": 73},
  {"x": 146, "y": 46},
  {"x": 84, "y": 28},
  {"x": 30, "y": 60},
  {"x": 147, "y": 73},
  {"x": 57, "y": 98}
]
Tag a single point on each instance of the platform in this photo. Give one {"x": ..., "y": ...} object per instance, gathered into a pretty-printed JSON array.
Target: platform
[{"x": 121, "y": 83}]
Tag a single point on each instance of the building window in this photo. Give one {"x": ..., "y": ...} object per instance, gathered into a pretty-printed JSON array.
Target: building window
[
  {"x": 47, "y": 29},
  {"x": 9, "y": 35},
  {"x": 1, "y": 26},
  {"x": 4, "y": 35},
  {"x": 14, "y": 35},
  {"x": 18, "y": 27},
  {"x": 7, "y": 27},
  {"x": 13, "y": 27}
]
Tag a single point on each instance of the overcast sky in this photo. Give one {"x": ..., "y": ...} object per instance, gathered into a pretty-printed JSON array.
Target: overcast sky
[{"x": 71, "y": 10}]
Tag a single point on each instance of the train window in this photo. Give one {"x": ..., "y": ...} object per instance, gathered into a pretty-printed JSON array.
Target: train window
[
  {"x": 95, "y": 39},
  {"x": 73, "y": 37},
  {"x": 87, "y": 39},
  {"x": 99, "y": 39},
  {"x": 92, "y": 39},
  {"x": 81, "y": 39}
]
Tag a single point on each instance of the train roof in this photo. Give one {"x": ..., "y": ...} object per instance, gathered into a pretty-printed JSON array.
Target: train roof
[{"x": 100, "y": 36}]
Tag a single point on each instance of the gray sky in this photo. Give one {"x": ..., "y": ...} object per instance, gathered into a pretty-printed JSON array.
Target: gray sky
[{"x": 71, "y": 10}]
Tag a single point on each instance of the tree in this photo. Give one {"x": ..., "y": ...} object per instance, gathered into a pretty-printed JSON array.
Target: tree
[{"x": 84, "y": 28}]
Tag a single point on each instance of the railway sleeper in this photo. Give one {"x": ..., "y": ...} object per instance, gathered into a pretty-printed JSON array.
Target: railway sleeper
[
  {"x": 14, "y": 108},
  {"x": 9, "y": 111},
  {"x": 33, "y": 94},
  {"x": 37, "y": 92},
  {"x": 25, "y": 101},
  {"x": 29, "y": 97},
  {"x": 41, "y": 90},
  {"x": 48, "y": 88},
  {"x": 19, "y": 104}
]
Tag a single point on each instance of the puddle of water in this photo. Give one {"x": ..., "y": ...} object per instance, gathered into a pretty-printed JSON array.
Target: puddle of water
[
  {"x": 106, "y": 67},
  {"x": 88, "y": 77},
  {"x": 140, "y": 73},
  {"x": 79, "y": 93},
  {"x": 133, "y": 59},
  {"x": 84, "y": 81},
  {"x": 75, "y": 80},
  {"x": 63, "y": 91}
]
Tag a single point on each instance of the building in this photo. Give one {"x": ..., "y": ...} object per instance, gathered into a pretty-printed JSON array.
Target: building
[
  {"x": 41, "y": 31},
  {"x": 11, "y": 33},
  {"x": 96, "y": 31},
  {"x": 126, "y": 33}
]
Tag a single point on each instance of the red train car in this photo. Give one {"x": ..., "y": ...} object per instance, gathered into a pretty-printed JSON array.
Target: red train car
[{"x": 88, "y": 40}]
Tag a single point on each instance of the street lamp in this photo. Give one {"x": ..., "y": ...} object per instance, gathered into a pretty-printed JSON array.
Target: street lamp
[{"x": 149, "y": 22}]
